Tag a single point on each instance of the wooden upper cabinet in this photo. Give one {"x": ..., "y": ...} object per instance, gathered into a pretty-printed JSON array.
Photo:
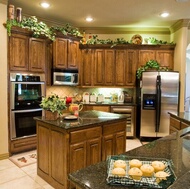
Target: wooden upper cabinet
[
  {"x": 103, "y": 67},
  {"x": 37, "y": 55},
  {"x": 120, "y": 67},
  {"x": 60, "y": 53},
  {"x": 65, "y": 53},
  {"x": 145, "y": 56},
  {"x": 26, "y": 53},
  {"x": 109, "y": 71},
  {"x": 131, "y": 67},
  {"x": 165, "y": 58},
  {"x": 98, "y": 68},
  {"x": 18, "y": 52},
  {"x": 117, "y": 66},
  {"x": 86, "y": 67},
  {"x": 73, "y": 54}
]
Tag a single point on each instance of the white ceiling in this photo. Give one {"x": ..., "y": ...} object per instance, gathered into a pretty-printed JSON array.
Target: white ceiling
[{"x": 109, "y": 13}]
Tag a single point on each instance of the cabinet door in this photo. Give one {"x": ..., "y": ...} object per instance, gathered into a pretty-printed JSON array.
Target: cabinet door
[
  {"x": 58, "y": 163},
  {"x": 165, "y": 58},
  {"x": 60, "y": 53},
  {"x": 18, "y": 52},
  {"x": 73, "y": 54},
  {"x": 37, "y": 55},
  {"x": 98, "y": 68},
  {"x": 145, "y": 56},
  {"x": 131, "y": 67},
  {"x": 184, "y": 125},
  {"x": 109, "y": 64},
  {"x": 86, "y": 67},
  {"x": 43, "y": 149},
  {"x": 108, "y": 143},
  {"x": 120, "y": 142},
  {"x": 49, "y": 62},
  {"x": 93, "y": 151},
  {"x": 120, "y": 70},
  {"x": 77, "y": 156}
]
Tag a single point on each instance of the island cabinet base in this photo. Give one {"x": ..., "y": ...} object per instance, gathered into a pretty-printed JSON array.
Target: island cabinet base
[{"x": 61, "y": 151}]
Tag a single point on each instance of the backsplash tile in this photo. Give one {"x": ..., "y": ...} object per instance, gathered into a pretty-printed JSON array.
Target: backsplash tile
[{"x": 63, "y": 91}]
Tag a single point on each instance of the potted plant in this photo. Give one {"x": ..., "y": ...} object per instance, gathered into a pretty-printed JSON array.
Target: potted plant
[
  {"x": 53, "y": 106},
  {"x": 151, "y": 64}
]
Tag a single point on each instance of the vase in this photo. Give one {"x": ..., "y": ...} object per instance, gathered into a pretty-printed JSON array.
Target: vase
[{"x": 51, "y": 115}]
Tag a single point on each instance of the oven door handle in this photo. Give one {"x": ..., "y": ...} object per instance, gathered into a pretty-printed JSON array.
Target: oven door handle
[{"x": 24, "y": 111}]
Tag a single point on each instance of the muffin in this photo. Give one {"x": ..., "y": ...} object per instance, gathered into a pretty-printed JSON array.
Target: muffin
[
  {"x": 147, "y": 170},
  {"x": 161, "y": 175},
  {"x": 135, "y": 173},
  {"x": 120, "y": 163},
  {"x": 135, "y": 163},
  {"x": 118, "y": 171},
  {"x": 158, "y": 166}
]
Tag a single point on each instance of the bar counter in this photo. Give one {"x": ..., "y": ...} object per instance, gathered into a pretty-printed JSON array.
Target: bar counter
[{"x": 175, "y": 147}]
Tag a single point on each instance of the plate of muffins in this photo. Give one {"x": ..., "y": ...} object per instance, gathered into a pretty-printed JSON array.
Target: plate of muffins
[{"x": 140, "y": 172}]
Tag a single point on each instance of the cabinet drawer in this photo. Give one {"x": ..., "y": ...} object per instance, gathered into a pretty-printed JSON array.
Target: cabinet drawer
[
  {"x": 85, "y": 134},
  {"x": 114, "y": 128},
  {"x": 175, "y": 123}
]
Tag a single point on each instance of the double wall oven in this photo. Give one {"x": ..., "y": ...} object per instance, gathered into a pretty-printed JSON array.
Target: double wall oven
[{"x": 26, "y": 91}]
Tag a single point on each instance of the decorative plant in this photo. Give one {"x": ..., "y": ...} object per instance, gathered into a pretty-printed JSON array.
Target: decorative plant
[
  {"x": 67, "y": 29},
  {"x": 53, "y": 103},
  {"x": 40, "y": 28},
  {"x": 151, "y": 64},
  {"x": 153, "y": 40},
  {"x": 32, "y": 24}
]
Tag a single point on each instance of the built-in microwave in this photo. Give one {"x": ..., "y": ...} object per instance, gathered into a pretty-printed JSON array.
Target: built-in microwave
[{"x": 65, "y": 77}]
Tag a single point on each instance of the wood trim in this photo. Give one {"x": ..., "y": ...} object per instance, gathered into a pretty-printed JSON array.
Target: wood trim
[
  {"x": 4, "y": 156},
  {"x": 128, "y": 46}
]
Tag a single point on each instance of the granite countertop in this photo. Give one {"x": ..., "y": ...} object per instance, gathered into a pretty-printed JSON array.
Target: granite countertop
[
  {"x": 183, "y": 116},
  {"x": 175, "y": 147},
  {"x": 85, "y": 119},
  {"x": 110, "y": 104}
]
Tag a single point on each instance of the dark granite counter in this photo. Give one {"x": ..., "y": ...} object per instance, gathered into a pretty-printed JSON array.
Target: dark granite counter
[
  {"x": 175, "y": 147},
  {"x": 85, "y": 119},
  {"x": 110, "y": 104},
  {"x": 183, "y": 116}
]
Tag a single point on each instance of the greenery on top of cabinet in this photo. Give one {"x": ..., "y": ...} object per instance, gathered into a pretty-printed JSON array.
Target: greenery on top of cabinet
[
  {"x": 151, "y": 64},
  {"x": 40, "y": 28},
  {"x": 94, "y": 40}
]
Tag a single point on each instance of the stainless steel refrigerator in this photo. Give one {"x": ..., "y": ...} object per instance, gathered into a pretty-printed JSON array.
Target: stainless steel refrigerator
[{"x": 159, "y": 95}]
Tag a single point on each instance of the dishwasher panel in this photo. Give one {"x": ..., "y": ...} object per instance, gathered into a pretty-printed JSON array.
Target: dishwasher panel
[{"x": 129, "y": 112}]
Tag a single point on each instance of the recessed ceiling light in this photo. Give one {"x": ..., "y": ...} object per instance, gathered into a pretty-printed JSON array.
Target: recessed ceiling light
[
  {"x": 89, "y": 19},
  {"x": 164, "y": 14},
  {"x": 45, "y": 5}
]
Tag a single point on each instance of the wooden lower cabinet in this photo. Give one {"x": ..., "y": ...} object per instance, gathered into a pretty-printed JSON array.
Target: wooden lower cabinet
[
  {"x": 98, "y": 108},
  {"x": 52, "y": 150},
  {"x": 113, "y": 139},
  {"x": 61, "y": 152},
  {"x": 177, "y": 124}
]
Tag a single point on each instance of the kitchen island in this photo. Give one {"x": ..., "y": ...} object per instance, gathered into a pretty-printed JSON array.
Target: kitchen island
[
  {"x": 175, "y": 147},
  {"x": 66, "y": 145}
]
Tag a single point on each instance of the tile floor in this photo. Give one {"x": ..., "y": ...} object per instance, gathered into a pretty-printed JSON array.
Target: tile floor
[{"x": 12, "y": 176}]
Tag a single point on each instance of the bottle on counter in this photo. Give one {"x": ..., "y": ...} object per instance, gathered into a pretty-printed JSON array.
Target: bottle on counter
[{"x": 11, "y": 12}]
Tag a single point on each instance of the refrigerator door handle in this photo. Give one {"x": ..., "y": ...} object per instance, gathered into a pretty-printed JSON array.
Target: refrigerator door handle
[{"x": 158, "y": 102}]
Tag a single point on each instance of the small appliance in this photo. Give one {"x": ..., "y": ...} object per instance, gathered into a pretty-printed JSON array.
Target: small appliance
[{"x": 65, "y": 77}]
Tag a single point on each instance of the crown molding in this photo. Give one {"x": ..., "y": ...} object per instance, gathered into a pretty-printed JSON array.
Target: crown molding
[
  {"x": 130, "y": 30},
  {"x": 4, "y": 2},
  {"x": 179, "y": 24}
]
